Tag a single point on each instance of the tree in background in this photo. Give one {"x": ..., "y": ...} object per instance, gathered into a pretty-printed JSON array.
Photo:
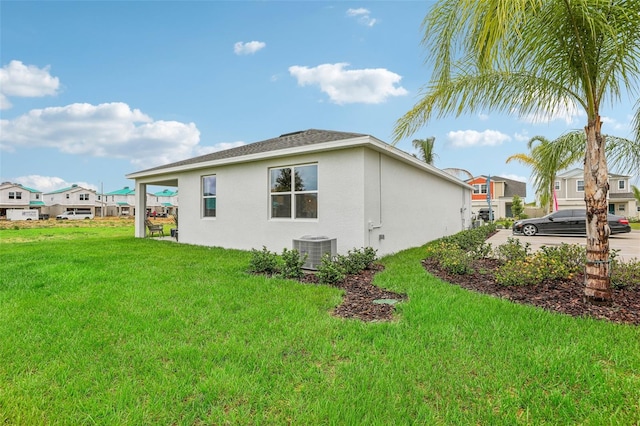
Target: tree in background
[
  {"x": 545, "y": 163},
  {"x": 537, "y": 57},
  {"x": 425, "y": 149},
  {"x": 517, "y": 208}
]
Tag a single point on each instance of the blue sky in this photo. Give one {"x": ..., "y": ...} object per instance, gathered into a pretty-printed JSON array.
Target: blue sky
[{"x": 91, "y": 91}]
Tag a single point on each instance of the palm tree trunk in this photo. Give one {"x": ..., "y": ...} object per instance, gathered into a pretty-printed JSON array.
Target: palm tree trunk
[{"x": 596, "y": 186}]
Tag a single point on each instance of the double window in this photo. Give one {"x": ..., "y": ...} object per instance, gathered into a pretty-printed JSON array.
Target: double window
[
  {"x": 209, "y": 196},
  {"x": 480, "y": 188},
  {"x": 84, "y": 197},
  {"x": 294, "y": 192}
]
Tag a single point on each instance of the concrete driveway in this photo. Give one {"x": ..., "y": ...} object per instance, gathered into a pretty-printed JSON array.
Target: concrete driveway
[{"x": 628, "y": 244}]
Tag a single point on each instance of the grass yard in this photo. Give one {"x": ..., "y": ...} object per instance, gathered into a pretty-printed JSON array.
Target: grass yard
[{"x": 99, "y": 327}]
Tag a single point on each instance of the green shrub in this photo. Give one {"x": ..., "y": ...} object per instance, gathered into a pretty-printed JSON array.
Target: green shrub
[
  {"x": 454, "y": 260},
  {"x": 471, "y": 240},
  {"x": 263, "y": 261},
  {"x": 292, "y": 263},
  {"x": 329, "y": 272},
  {"x": 626, "y": 275},
  {"x": 520, "y": 272},
  {"x": 357, "y": 260},
  {"x": 521, "y": 268},
  {"x": 512, "y": 250}
]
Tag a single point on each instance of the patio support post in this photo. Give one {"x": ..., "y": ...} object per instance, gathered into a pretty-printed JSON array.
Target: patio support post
[{"x": 141, "y": 209}]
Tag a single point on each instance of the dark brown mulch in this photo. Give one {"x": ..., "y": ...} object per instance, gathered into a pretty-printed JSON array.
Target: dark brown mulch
[
  {"x": 564, "y": 296},
  {"x": 360, "y": 293}
]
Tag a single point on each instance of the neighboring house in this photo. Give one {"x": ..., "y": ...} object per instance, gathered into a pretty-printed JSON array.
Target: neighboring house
[
  {"x": 348, "y": 186},
  {"x": 122, "y": 202},
  {"x": 69, "y": 199},
  {"x": 168, "y": 201},
  {"x": 502, "y": 191},
  {"x": 16, "y": 196},
  {"x": 569, "y": 188}
]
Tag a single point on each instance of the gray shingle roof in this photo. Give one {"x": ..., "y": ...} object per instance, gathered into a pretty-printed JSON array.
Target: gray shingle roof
[{"x": 287, "y": 140}]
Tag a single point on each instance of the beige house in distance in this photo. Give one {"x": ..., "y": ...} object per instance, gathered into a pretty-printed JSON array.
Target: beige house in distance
[
  {"x": 569, "y": 187},
  {"x": 72, "y": 198}
]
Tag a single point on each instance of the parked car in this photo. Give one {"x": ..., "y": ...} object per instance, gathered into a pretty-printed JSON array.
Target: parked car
[
  {"x": 485, "y": 212},
  {"x": 567, "y": 222}
]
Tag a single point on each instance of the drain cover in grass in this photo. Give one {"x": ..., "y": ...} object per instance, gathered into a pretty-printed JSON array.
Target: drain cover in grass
[{"x": 385, "y": 301}]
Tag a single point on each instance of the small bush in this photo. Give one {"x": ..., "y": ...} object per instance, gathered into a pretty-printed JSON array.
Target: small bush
[
  {"x": 454, "y": 260},
  {"x": 472, "y": 239},
  {"x": 263, "y": 261},
  {"x": 292, "y": 264},
  {"x": 357, "y": 260},
  {"x": 561, "y": 262},
  {"x": 512, "y": 250},
  {"x": 329, "y": 272},
  {"x": 626, "y": 275}
]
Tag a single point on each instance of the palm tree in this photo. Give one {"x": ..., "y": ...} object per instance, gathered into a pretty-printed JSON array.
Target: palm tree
[
  {"x": 546, "y": 162},
  {"x": 537, "y": 56},
  {"x": 636, "y": 193},
  {"x": 425, "y": 149}
]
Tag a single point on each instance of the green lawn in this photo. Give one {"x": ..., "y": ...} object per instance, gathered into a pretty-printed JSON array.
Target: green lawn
[{"x": 97, "y": 327}]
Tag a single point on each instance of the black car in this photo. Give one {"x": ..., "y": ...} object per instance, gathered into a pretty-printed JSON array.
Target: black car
[{"x": 567, "y": 222}]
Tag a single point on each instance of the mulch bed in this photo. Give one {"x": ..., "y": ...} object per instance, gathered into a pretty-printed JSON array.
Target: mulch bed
[
  {"x": 360, "y": 293},
  {"x": 563, "y": 296}
]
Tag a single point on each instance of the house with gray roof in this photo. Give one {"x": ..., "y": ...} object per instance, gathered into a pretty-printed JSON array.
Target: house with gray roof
[
  {"x": 569, "y": 187},
  {"x": 321, "y": 184},
  {"x": 501, "y": 191}
]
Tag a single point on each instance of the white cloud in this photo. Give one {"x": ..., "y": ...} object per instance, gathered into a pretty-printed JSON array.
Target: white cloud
[
  {"x": 363, "y": 16},
  {"x": 469, "y": 138},
  {"x": 514, "y": 177},
  {"x": 107, "y": 130},
  {"x": 566, "y": 111},
  {"x": 612, "y": 123},
  {"x": 202, "y": 150},
  {"x": 483, "y": 117},
  {"x": 248, "y": 48},
  {"x": 49, "y": 183},
  {"x": 27, "y": 81},
  {"x": 369, "y": 86},
  {"x": 522, "y": 137}
]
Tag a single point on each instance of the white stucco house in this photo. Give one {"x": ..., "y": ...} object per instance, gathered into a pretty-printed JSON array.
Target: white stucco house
[
  {"x": 349, "y": 186},
  {"x": 71, "y": 198},
  {"x": 17, "y": 196}
]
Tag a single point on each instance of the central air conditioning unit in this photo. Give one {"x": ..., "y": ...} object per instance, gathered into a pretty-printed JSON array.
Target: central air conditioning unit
[{"x": 314, "y": 247}]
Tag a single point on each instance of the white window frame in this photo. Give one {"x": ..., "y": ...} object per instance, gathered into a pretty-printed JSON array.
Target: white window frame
[
  {"x": 556, "y": 185},
  {"x": 479, "y": 188},
  {"x": 208, "y": 197},
  {"x": 293, "y": 193},
  {"x": 12, "y": 195},
  {"x": 621, "y": 184},
  {"x": 578, "y": 185}
]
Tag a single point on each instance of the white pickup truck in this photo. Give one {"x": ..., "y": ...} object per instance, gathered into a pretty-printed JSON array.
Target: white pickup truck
[{"x": 71, "y": 215}]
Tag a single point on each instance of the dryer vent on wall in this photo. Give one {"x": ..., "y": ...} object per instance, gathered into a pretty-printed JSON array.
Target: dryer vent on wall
[{"x": 314, "y": 247}]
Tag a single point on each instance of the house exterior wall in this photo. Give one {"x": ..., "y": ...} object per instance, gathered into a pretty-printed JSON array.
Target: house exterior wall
[
  {"x": 417, "y": 206},
  {"x": 14, "y": 202},
  {"x": 362, "y": 194},
  {"x": 242, "y": 211}
]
